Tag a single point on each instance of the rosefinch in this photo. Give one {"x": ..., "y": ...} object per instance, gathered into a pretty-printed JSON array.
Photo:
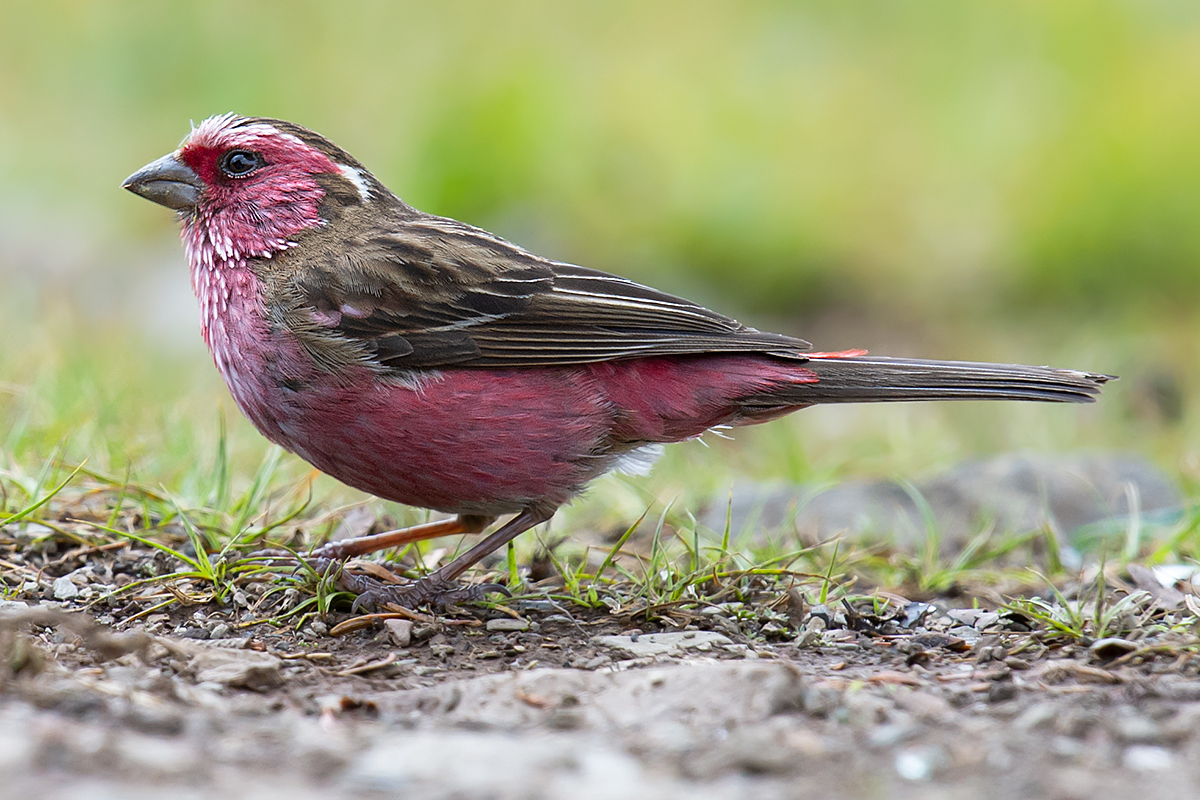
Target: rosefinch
[{"x": 434, "y": 364}]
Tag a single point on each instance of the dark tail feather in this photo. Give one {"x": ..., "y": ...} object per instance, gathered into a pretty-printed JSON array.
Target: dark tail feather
[{"x": 863, "y": 379}]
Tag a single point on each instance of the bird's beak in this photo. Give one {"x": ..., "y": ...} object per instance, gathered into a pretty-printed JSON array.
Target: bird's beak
[{"x": 167, "y": 182}]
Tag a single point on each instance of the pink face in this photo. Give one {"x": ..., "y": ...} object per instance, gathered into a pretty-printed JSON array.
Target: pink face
[{"x": 260, "y": 188}]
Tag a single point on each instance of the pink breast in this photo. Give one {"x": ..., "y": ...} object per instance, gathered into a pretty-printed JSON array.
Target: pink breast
[
  {"x": 482, "y": 441},
  {"x": 470, "y": 441}
]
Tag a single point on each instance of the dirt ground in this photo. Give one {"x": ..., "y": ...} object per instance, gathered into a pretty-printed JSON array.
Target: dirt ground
[{"x": 100, "y": 699}]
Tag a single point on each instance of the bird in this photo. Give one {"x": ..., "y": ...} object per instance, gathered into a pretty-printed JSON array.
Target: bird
[{"x": 429, "y": 362}]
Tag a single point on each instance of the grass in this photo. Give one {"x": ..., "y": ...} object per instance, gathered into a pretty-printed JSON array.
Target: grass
[
  {"x": 1090, "y": 617},
  {"x": 148, "y": 450}
]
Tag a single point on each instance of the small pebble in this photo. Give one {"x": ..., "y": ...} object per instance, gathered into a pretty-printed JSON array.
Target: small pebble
[
  {"x": 1147, "y": 758},
  {"x": 987, "y": 620},
  {"x": 64, "y": 589},
  {"x": 820, "y": 701},
  {"x": 423, "y": 632},
  {"x": 1136, "y": 729},
  {"x": 913, "y": 766},
  {"x": 920, "y": 763},
  {"x": 507, "y": 625},
  {"x": 965, "y": 616},
  {"x": 400, "y": 631},
  {"x": 774, "y": 630},
  {"x": 318, "y": 627},
  {"x": 219, "y": 631},
  {"x": 1066, "y": 747},
  {"x": 1108, "y": 649},
  {"x": 1001, "y": 691},
  {"x": 537, "y": 605}
]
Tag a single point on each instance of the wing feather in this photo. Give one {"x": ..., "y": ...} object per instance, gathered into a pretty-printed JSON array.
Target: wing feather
[{"x": 430, "y": 292}]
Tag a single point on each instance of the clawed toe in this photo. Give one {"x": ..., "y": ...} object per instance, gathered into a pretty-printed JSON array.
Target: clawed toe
[{"x": 431, "y": 590}]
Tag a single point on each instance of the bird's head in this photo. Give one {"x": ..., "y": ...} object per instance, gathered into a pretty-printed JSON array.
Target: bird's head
[{"x": 245, "y": 187}]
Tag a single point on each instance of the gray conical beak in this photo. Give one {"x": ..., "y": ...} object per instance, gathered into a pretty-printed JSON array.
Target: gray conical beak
[{"x": 167, "y": 182}]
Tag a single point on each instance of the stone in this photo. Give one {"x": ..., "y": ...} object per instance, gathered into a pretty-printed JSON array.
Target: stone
[
  {"x": 507, "y": 625},
  {"x": 241, "y": 669},
  {"x": 64, "y": 588},
  {"x": 660, "y": 644},
  {"x": 987, "y": 621},
  {"x": 399, "y": 631},
  {"x": 1147, "y": 758},
  {"x": 920, "y": 763},
  {"x": 1110, "y": 648},
  {"x": 965, "y": 616},
  {"x": 81, "y": 577},
  {"x": 821, "y": 701},
  {"x": 1136, "y": 729},
  {"x": 537, "y": 604}
]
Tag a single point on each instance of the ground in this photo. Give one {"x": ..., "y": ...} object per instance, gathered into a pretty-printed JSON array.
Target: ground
[{"x": 535, "y": 698}]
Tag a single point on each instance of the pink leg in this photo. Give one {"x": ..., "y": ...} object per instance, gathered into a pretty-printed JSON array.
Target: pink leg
[
  {"x": 438, "y": 587},
  {"x": 361, "y": 545}
]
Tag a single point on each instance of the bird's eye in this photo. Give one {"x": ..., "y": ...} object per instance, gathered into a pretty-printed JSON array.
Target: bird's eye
[{"x": 240, "y": 163}]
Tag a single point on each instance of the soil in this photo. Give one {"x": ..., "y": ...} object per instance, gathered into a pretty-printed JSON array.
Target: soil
[{"x": 103, "y": 696}]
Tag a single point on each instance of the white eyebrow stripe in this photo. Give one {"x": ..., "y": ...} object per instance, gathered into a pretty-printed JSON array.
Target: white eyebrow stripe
[{"x": 354, "y": 176}]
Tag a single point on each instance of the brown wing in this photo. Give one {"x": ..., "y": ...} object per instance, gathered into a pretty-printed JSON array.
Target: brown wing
[{"x": 431, "y": 292}]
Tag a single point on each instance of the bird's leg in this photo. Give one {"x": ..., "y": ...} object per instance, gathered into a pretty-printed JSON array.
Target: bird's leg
[
  {"x": 361, "y": 545},
  {"x": 324, "y": 558},
  {"x": 438, "y": 587}
]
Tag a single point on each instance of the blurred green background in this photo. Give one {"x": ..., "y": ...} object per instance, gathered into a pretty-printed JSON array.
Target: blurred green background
[{"x": 991, "y": 180}]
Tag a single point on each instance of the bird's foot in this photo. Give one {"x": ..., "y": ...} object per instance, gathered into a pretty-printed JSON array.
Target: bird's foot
[{"x": 432, "y": 590}]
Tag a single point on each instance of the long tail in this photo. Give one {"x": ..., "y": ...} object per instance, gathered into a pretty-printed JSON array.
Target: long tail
[{"x": 864, "y": 379}]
